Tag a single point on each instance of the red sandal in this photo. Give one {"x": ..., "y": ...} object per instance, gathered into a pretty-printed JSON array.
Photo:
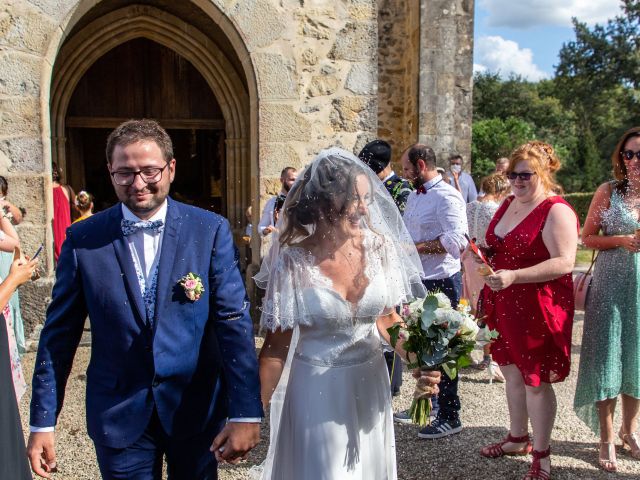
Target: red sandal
[
  {"x": 495, "y": 450},
  {"x": 535, "y": 470}
]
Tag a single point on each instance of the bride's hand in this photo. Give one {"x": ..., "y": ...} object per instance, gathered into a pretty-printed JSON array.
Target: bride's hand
[{"x": 428, "y": 380}]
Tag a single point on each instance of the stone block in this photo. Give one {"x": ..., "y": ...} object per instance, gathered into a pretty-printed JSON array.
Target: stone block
[
  {"x": 23, "y": 154},
  {"x": 356, "y": 42},
  {"x": 56, "y": 9},
  {"x": 34, "y": 300},
  {"x": 323, "y": 85},
  {"x": 19, "y": 74},
  {"x": 446, "y": 83},
  {"x": 309, "y": 57},
  {"x": 5, "y": 163},
  {"x": 273, "y": 157},
  {"x": 280, "y": 123},
  {"x": 25, "y": 27},
  {"x": 315, "y": 27},
  {"x": 428, "y": 123},
  {"x": 277, "y": 77},
  {"x": 271, "y": 187},
  {"x": 351, "y": 114},
  {"x": 328, "y": 70},
  {"x": 19, "y": 116},
  {"x": 430, "y": 60},
  {"x": 362, "y": 139},
  {"x": 309, "y": 108},
  {"x": 30, "y": 192},
  {"x": 363, "y": 9},
  {"x": 258, "y": 21},
  {"x": 361, "y": 79}
]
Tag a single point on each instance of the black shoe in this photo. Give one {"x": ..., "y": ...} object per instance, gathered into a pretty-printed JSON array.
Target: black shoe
[{"x": 440, "y": 428}]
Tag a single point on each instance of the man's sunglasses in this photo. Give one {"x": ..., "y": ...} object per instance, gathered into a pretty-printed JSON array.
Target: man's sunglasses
[
  {"x": 524, "y": 176},
  {"x": 629, "y": 154}
]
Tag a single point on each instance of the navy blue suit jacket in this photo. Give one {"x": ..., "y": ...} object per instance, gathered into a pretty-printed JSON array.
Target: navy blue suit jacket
[{"x": 195, "y": 363}]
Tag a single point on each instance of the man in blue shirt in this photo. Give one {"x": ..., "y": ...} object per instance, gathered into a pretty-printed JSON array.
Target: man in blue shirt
[{"x": 460, "y": 180}]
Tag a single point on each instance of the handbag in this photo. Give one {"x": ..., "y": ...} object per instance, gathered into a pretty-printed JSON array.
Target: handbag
[{"x": 581, "y": 284}]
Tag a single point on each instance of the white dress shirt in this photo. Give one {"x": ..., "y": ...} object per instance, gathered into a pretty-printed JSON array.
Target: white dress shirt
[
  {"x": 145, "y": 244},
  {"x": 267, "y": 215},
  {"x": 438, "y": 214}
]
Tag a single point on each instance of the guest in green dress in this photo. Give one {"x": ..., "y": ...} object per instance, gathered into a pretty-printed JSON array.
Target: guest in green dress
[{"x": 610, "y": 365}]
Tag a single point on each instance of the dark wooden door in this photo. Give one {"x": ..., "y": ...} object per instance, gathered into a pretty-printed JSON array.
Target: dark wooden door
[{"x": 142, "y": 79}]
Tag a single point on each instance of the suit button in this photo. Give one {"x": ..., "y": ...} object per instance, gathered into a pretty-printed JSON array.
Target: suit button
[{"x": 148, "y": 348}]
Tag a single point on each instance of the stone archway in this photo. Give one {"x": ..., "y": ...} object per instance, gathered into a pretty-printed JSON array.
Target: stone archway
[{"x": 136, "y": 21}]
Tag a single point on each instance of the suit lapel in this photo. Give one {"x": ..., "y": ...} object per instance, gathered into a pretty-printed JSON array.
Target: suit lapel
[
  {"x": 123, "y": 254},
  {"x": 173, "y": 223}
]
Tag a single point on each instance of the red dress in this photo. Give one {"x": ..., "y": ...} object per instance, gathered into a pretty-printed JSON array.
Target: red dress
[
  {"x": 61, "y": 219},
  {"x": 534, "y": 319}
]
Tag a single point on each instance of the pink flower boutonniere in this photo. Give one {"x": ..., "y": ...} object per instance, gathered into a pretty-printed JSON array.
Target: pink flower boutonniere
[{"x": 192, "y": 285}]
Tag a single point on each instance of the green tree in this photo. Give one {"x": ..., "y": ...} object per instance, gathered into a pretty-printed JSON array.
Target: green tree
[
  {"x": 510, "y": 112},
  {"x": 494, "y": 138},
  {"x": 597, "y": 79}
]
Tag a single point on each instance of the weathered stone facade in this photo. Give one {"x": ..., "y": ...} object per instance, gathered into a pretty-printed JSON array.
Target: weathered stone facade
[{"x": 290, "y": 77}]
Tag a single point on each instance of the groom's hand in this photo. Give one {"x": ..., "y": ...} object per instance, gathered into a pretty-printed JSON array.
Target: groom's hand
[
  {"x": 234, "y": 441},
  {"x": 42, "y": 454}
]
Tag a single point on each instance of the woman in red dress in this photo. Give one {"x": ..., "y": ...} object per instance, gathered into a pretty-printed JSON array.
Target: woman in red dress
[
  {"x": 532, "y": 243},
  {"x": 62, "y": 195}
]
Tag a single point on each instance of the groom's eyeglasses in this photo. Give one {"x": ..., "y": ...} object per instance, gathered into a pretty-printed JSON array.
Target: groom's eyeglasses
[{"x": 149, "y": 175}]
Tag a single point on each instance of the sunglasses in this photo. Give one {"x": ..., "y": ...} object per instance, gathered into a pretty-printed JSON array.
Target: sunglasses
[
  {"x": 629, "y": 154},
  {"x": 524, "y": 176}
]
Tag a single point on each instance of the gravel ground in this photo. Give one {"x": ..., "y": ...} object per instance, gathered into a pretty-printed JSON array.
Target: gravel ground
[{"x": 484, "y": 416}]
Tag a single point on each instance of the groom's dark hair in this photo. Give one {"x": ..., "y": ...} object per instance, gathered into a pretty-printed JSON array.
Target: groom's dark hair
[{"x": 133, "y": 131}]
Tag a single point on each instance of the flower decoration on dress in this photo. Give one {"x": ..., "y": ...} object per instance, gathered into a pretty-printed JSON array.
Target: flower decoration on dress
[
  {"x": 435, "y": 335},
  {"x": 192, "y": 285}
]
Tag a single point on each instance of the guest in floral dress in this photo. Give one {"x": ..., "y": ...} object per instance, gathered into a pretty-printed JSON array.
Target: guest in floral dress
[
  {"x": 8, "y": 242},
  {"x": 13, "y": 457}
]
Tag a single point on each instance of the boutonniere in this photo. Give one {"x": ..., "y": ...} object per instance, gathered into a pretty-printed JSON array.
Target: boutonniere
[{"x": 192, "y": 285}]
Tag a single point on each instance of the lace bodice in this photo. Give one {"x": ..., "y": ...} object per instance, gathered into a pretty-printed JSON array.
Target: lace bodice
[
  {"x": 333, "y": 331},
  {"x": 618, "y": 219}
]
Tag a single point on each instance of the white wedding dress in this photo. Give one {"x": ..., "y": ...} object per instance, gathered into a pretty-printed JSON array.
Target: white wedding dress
[{"x": 331, "y": 416}]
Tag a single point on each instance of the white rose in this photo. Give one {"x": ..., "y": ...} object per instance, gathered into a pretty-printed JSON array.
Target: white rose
[
  {"x": 469, "y": 327},
  {"x": 443, "y": 300},
  {"x": 446, "y": 315}
]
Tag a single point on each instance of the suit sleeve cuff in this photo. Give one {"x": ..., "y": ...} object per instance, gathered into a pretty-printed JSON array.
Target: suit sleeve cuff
[
  {"x": 33, "y": 429},
  {"x": 246, "y": 420}
]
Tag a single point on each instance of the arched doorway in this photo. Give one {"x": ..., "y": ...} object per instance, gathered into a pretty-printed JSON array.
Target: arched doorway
[
  {"x": 143, "y": 79},
  {"x": 158, "y": 55}
]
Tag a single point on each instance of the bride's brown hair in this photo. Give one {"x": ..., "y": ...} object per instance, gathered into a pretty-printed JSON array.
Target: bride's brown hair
[{"x": 323, "y": 194}]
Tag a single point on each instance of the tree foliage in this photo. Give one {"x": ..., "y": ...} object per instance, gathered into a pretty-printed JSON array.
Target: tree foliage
[{"x": 582, "y": 111}]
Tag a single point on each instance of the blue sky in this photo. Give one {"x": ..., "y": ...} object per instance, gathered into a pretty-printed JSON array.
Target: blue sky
[{"x": 525, "y": 36}]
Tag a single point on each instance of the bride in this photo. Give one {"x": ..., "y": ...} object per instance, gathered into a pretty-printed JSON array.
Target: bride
[{"x": 342, "y": 262}]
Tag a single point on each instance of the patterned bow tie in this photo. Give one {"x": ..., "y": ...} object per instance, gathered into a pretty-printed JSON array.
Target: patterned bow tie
[
  {"x": 129, "y": 226},
  {"x": 421, "y": 190}
]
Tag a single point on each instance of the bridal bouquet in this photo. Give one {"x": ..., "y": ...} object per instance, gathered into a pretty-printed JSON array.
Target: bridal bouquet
[{"x": 437, "y": 336}]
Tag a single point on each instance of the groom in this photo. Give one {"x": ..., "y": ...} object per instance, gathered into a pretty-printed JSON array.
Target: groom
[{"x": 172, "y": 373}]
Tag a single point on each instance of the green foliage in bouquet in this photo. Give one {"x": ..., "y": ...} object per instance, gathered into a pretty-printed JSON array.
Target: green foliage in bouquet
[{"x": 435, "y": 335}]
